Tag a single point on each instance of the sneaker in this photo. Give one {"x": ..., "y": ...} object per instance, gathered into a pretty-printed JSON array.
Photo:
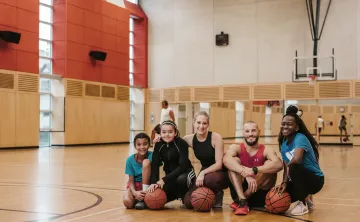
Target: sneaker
[
  {"x": 219, "y": 199},
  {"x": 234, "y": 205},
  {"x": 299, "y": 209},
  {"x": 242, "y": 208},
  {"x": 140, "y": 205},
  {"x": 309, "y": 202}
]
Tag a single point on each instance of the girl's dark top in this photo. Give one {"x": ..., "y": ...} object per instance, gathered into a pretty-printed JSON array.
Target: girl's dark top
[{"x": 174, "y": 155}]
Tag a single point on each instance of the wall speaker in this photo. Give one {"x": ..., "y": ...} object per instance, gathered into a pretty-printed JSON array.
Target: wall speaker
[
  {"x": 222, "y": 39},
  {"x": 9, "y": 36},
  {"x": 98, "y": 55}
]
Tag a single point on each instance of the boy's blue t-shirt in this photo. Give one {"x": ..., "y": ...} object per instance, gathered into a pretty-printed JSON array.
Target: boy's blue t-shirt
[
  {"x": 309, "y": 160},
  {"x": 134, "y": 168}
]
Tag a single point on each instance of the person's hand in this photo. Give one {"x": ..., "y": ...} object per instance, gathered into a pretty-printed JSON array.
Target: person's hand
[
  {"x": 160, "y": 183},
  {"x": 200, "y": 179},
  {"x": 247, "y": 172},
  {"x": 157, "y": 139},
  {"x": 252, "y": 185},
  {"x": 152, "y": 188},
  {"x": 280, "y": 188},
  {"x": 139, "y": 195}
]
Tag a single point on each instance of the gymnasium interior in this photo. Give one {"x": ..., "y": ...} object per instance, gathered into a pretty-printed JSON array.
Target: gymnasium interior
[{"x": 80, "y": 78}]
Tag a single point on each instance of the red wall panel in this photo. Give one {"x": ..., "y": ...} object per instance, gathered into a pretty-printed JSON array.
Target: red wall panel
[
  {"x": 23, "y": 17},
  {"x": 109, "y": 25},
  {"x": 75, "y": 33},
  {"x": 8, "y": 2},
  {"x": 91, "y": 25},
  {"x": 7, "y": 58},
  {"x": 29, "y": 5},
  {"x": 27, "y": 61},
  {"x": 29, "y": 42},
  {"x": 27, "y": 20},
  {"x": 8, "y": 15}
]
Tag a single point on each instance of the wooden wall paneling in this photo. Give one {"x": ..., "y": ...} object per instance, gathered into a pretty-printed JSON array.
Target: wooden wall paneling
[
  {"x": 335, "y": 90},
  {"x": 8, "y": 115},
  {"x": 236, "y": 93},
  {"x": 27, "y": 119}
]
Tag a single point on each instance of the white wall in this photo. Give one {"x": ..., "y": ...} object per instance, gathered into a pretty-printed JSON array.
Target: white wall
[
  {"x": 264, "y": 35},
  {"x": 119, "y": 3}
]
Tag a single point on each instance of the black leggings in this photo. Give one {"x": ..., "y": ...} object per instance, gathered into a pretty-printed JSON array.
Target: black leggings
[
  {"x": 178, "y": 187},
  {"x": 303, "y": 182}
]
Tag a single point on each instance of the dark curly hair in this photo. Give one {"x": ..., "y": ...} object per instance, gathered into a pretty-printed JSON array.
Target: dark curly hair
[
  {"x": 292, "y": 111},
  {"x": 141, "y": 136}
]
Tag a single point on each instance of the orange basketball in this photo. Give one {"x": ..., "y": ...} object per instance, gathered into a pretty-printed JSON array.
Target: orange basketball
[
  {"x": 277, "y": 204},
  {"x": 155, "y": 200},
  {"x": 202, "y": 199}
]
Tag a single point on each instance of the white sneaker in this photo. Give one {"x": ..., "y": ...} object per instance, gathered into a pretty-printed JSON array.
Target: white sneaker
[{"x": 299, "y": 209}]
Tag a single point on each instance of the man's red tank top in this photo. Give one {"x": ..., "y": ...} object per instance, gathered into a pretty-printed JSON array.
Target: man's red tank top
[{"x": 252, "y": 161}]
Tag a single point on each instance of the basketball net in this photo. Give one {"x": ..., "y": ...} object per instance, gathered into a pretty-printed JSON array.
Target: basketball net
[{"x": 312, "y": 80}]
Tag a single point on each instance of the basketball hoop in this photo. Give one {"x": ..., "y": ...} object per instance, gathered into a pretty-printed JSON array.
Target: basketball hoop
[{"x": 312, "y": 80}]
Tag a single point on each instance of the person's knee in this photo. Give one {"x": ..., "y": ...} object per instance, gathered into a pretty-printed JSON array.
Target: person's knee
[
  {"x": 129, "y": 204},
  {"x": 146, "y": 164},
  {"x": 216, "y": 180},
  {"x": 182, "y": 180}
]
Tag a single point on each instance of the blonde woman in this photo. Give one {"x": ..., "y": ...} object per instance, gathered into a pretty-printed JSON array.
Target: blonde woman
[{"x": 209, "y": 150}]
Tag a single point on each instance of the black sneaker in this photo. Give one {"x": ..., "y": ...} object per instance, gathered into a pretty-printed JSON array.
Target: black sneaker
[{"x": 140, "y": 205}]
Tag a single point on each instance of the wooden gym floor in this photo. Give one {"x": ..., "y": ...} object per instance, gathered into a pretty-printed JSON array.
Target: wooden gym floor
[{"x": 87, "y": 184}]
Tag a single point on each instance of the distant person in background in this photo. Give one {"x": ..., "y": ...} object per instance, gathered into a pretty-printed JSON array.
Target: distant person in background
[
  {"x": 319, "y": 126},
  {"x": 342, "y": 126},
  {"x": 166, "y": 114}
]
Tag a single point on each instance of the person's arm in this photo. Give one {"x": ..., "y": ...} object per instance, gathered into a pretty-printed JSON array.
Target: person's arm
[
  {"x": 301, "y": 144},
  {"x": 188, "y": 139},
  {"x": 155, "y": 164},
  {"x": 183, "y": 161},
  {"x": 219, "y": 154},
  {"x": 229, "y": 161},
  {"x": 282, "y": 187},
  {"x": 172, "y": 116},
  {"x": 298, "y": 155},
  {"x": 275, "y": 164}
]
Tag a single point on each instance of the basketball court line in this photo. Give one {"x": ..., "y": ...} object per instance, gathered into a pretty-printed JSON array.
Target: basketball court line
[
  {"x": 61, "y": 186},
  {"x": 90, "y": 215},
  {"x": 30, "y": 212},
  {"x": 99, "y": 200}
]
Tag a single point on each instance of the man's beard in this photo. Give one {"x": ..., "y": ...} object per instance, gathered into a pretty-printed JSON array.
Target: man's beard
[{"x": 252, "y": 143}]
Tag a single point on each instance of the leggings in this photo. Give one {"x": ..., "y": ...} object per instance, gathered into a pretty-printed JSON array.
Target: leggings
[
  {"x": 215, "y": 181},
  {"x": 303, "y": 182},
  {"x": 178, "y": 187}
]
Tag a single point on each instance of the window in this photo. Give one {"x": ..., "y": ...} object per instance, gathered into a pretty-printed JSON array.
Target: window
[
  {"x": 137, "y": 95},
  {"x": 45, "y": 67}
]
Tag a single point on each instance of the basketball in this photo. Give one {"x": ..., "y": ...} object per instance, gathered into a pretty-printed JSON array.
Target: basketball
[
  {"x": 277, "y": 204},
  {"x": 202, "y": 199},
  {"x": 155, "y": 200}
]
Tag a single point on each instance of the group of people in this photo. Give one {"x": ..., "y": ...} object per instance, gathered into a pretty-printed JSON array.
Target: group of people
[
  {"x": 320, "y": 126},
  {"x": 248, "y": 169}
]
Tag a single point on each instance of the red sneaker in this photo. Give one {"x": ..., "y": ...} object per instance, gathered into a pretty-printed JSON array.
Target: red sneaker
[
  {"x": 234, "y": 205},
  {"x": 242, "y": 208}
]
